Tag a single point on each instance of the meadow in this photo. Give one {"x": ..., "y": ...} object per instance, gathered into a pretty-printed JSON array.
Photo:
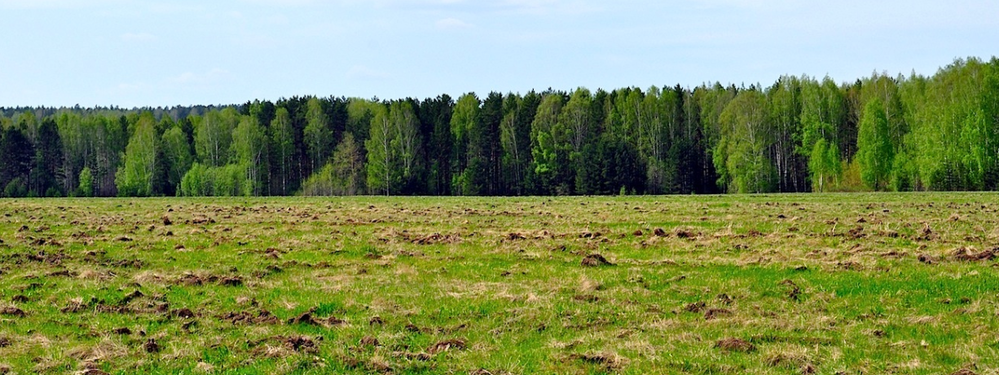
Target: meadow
[{"x": 740, "y": 284}]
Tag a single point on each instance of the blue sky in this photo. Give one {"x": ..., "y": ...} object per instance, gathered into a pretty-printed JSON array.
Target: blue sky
[{"x": 169, "y": 52}]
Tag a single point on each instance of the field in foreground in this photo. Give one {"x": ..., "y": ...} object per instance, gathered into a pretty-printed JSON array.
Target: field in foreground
[{"x": 785, "y": 284}]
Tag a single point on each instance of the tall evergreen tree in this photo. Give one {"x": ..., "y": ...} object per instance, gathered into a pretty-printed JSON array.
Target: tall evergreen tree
[
  {"x": 16, "y": 154},
  {"x": 47, "y": 171},
  {"x": 436, "y": 115}
]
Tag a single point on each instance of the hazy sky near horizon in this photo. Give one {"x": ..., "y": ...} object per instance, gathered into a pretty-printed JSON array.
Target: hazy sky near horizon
[{"x": 170, "y": 52}]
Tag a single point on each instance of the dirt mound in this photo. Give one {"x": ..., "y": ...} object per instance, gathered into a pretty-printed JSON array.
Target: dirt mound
[
  {"x": 130, "y": 297},
  {"x": 191, "y": 279},
  {"x": 305, "y": 318},
  {"x": 684, "y": 233},
  {"x": 515, "y": 236},
  {"x": 301, "y": 344},
  {"x": 151, "y": 346},
  {"x": 183, "y": 313},
  {"x": 231, "y": 281},
  {"x": 199, "y": 220},
  {"x": 971, "y": 254},
  {"x": 795, "y": 293},
  {"x": 443, "y": 346},
  {"x": 369, "y": 341},
  {"x": 74, "y": 307},
  {"x": 724, "y": 298},
  {"x": 63, "y": 273},
  {"x": 595, "y": 260},
  {"x": 716, "y": 313},
  {"x": 483, "y": 371},
  {"x": 247, "y": 318},
  {"x": 926, "y": 234},
  {"x": 926, "y": 258},
  {"x": 434, "y": 239},
  {"x": 964, "y": 371},
  {"x": 695, "y": 307},
  {"x": 12, "y": 311},
  {"x": 609, "y": 361},
  {"x": 90, "y": 368},
  {"x": 732, "y": 344}
]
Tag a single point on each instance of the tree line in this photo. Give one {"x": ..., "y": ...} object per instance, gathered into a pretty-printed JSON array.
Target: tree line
[{"x": 938, "y": 132}]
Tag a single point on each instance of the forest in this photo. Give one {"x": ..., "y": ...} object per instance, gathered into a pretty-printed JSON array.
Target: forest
[{"x": 799, "y": 134}]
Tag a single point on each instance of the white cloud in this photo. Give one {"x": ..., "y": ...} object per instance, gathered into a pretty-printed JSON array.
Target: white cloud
[
  {"x": 452, "y": 23},
  {"x": 138, "y": 37}
]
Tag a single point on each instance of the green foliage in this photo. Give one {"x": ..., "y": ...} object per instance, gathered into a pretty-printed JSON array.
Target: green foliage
[
  {"x": 823, "y": 165},
  {"x": 741, "y": 154},
  {"x": 135, "y": 177},
  {"x": 197, "y": 182},
  {"x": 383, "y": 159},
  {"x": 225, "y": 181},
  {"x": 435, "y": 115},
  {"x": 15, "y": 188},
  {"x": 406, "y": 139},
  {"x": 47, "y": 166},
  {"x": 75, "y": 148},
  {"x": 86, "y": 185},
  {"x": 938, "y": 132},
  {"x": 249, "y": 151},
  {"x": 317, "y": 134},
  {"x": 464, "y": 120},
  {"x": 952, "y": 139},
  {"x": 213, "y": 136},
  {"x": 875, "y": 152},
  {"x": 320, "y": 183},
  {"x": 177, "y": 152},
  {"x": 16, "y": 154},
  {"x": 549, "y": 146},
  {"x": 657, "y": 128},
  {"x": 348, "y": 167},
  {"x": 282, "y": 145},
  {"x": 342, "y": 176}
]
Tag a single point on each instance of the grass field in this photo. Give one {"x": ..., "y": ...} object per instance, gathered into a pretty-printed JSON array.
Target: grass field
[{"x": 771, "y": 284}]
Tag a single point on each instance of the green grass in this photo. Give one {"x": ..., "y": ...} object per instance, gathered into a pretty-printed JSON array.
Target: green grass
[{"x": 495, "y": 285}]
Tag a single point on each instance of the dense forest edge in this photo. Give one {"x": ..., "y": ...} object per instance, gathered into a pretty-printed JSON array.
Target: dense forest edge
[{"x": 800, "y": 134}]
